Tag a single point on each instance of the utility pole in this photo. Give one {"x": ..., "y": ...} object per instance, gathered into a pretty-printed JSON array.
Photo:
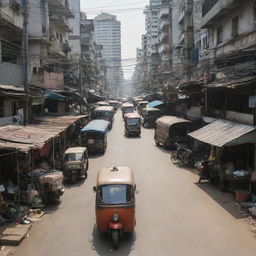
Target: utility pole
[
  {"x": 81, "y": 82},
  {"x": 25, "y": 61}
]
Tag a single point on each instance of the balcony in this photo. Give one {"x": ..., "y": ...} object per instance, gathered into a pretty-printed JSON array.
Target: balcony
[
  {"x": 163, "y": 24},
  {"x": 61, "y": 7},
  {"x": 53, "y": 80},
  {"x": 61, "y": 22},
  {"x": 207, "y": 6},
  {"x": 164, "y": 12},
  {"x": 163, "y": 36},
  {"x": 163, "y": 47},
  {"x": 218, "y": 10},
  {"x": 10, "y": 15}
]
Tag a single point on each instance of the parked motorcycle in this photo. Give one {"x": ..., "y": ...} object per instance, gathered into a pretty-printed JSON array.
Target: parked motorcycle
[
  {"x": 182, "y": 155},
  {"x": 203, "y": 169}
]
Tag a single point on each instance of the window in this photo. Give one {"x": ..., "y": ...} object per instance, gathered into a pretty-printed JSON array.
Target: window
[
  {"x": 235, "y": 26},
  {"x": 1, "y": 108},
  {"x": 220, "y": 35}
]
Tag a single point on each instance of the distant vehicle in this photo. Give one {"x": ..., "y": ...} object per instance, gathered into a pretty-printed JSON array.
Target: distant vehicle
[
  {"x": 114, "y": 103},
  {"x": 141, "y": 104},
  {"x": 149, "y": 117},
  {"x": 115, "y": 202},
  {"x": 127, "y": 108},
  {"x": 132, "y": 124},
  {"x": 171, "y": 129},
  {"x": 104, "y": 113},
  {"x": 76, "y": 163},
  {"x": 94, "y": 136},
  {"x": 102, "y": 103}
]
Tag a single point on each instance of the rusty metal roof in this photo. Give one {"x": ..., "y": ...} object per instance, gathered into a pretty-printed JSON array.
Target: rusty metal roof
[
  {"x": 170, "y": 120},
  {"x": 223, "y": 132},
  {"x": 233, "y": 84},
  {"x": 35, "y": 135},
  {"x": 15, "y": 146}
]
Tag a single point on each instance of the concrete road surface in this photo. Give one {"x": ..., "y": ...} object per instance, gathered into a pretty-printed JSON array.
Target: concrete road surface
[{"x": 175, "y": 216}]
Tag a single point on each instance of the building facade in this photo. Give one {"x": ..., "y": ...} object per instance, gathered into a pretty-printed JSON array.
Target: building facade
[{"x": 107, "y": 32}]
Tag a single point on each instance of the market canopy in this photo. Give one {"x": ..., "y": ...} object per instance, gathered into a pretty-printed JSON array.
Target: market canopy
[
  {"x": 225, "y": 133},
  {"x": 155, "y": 103},
  {"x": 54, "y": 96}
]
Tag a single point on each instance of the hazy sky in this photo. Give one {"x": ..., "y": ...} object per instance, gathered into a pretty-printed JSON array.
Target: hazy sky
[{"x": 130, "y": 13}]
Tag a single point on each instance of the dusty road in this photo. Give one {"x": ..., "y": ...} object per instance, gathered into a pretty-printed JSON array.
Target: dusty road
[{"x": 175, "y": 216}]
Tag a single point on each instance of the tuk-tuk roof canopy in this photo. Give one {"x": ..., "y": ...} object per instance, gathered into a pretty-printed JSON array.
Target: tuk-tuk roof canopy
[
  {"x": 127, "y": 105},
  {"x": 143, "y": 102},
  {"x": 96, "y": 126},
  {"x": 155, "y": 103},
  {"x": 168, "y": 121},
  {"x": 115, "y": 175},
  {"x": 113, "y": 101},
  {"x": 132, "y": 115},
  {"x": 151, "y": 109},
  {"x": 102, "y": 103},
  {"x": 75, "y": 150},
  {"x": 104, "y": 108}
]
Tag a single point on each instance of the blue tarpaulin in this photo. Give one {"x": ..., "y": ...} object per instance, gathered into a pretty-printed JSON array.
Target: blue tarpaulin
[
  {"x": 96, "y": 126},
  {"x": 54, "y": 96},
  {"x": 155, "y": 103}
]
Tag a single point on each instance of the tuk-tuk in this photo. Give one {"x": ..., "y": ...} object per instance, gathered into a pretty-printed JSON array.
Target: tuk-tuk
[
  {"x": 141, "y": 105},
  {"x": 132, "y": 124},
  {"x": 149, "y": 117},
  {"x": 94, "y": 136},
  {"x": 171, "y": 129},
  {"x": 127, "y": 108},
  {"x": 102, "y": 103},
  {"x": 115, "y": 202},
  {"x": 104, "y": 113},
  {"x": 75, "y": 163},
  {"x": 114, "y": 104}
]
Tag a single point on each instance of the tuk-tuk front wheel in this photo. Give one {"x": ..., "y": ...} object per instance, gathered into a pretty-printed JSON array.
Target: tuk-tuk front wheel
[
  {"x": 115, "y": 238},
  {"x": 73, "y": 178}
]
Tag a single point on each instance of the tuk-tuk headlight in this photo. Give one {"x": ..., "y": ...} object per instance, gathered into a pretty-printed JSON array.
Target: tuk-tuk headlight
[{"x": 115, "y": 217}]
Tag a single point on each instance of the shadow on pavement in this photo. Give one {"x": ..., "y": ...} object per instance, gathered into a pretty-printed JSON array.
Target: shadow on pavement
[
  {"x": 224, "y": 199},
  {"x": 101, "y": 243},
  {"x": 69, "y": 185}
]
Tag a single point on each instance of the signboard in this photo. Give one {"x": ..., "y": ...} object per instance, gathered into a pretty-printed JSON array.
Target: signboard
[{"x": 252, "y": 101}]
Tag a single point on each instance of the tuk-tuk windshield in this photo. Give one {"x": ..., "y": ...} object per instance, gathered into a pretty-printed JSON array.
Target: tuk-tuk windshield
[
  {"x": 102, "y": 114},
  {"x": 133, "y": 121},
  {"x": 115, "y": 194},
  {"x": 73, "y": 157},
  {"x": 128, "y": 109}
]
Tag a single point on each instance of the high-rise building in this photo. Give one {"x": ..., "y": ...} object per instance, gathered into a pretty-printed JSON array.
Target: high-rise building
[{"x": 108, "y": 34}]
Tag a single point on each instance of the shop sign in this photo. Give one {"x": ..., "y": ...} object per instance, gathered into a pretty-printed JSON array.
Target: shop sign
[{"x": 252, "y": 101}]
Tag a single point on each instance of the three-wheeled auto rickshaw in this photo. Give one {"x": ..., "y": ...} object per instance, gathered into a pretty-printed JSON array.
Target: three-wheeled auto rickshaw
[
  {"x": 114, "y": 104},
  {"x": 102, "y": 103},
  {"x": 132, "y": 124},
  {"x": 149, "y": 117},
  {"x": 115, "y": 202},
  {"x": 94, "y": 136},
  {"x": 141, "y": 104},
  {"x": 171, "y": 129},
  {"x": 104, "y": 113},
  {"x": 127, "y": 108},
  {"x": 76, "y": 163}
]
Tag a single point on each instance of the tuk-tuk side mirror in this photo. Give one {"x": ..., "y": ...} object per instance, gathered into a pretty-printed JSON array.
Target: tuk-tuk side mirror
[{"x": 94, "y": 188}]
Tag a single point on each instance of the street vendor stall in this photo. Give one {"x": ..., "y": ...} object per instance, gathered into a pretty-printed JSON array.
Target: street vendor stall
[{"x": 232, "y": 156}]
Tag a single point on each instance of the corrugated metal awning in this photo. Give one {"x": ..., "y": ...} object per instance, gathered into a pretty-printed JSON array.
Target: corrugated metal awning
[{"x": 225, "y": 133}]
